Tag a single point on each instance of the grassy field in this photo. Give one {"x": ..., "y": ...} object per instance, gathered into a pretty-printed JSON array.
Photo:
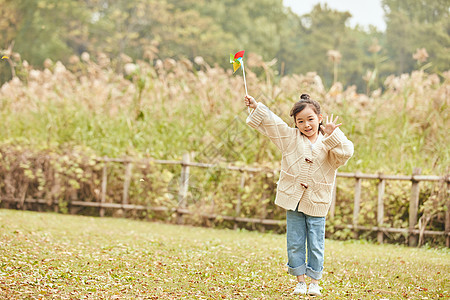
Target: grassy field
[{"x": 53, "y": 256}]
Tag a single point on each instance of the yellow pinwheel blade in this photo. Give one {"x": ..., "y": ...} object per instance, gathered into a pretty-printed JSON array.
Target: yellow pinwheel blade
[{"x": 236, "y": 65}]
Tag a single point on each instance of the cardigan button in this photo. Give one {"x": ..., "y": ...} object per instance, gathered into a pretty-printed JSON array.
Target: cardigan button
[
  {"x": 308, "y": 160},
  {"x": 304, "y": 185}
]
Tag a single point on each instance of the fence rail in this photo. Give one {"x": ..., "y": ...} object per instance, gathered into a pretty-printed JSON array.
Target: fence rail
[{"x": 181, "y": 210}]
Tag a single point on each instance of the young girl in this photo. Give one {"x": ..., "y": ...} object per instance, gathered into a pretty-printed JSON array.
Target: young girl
[{"x": 311, "y": 154}]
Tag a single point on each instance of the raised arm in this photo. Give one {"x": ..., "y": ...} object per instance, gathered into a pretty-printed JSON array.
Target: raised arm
[
  {"x": 269, "y": 124},
  {"x": 340, "y": 149}
]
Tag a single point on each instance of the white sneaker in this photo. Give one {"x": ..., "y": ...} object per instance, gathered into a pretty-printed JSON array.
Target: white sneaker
[
  {"x": 300, "y": 288},
  {"x": 314, "y": 290}
]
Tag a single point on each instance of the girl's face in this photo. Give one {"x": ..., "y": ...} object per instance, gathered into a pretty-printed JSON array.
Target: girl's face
[{"x": 307, "y": 122}]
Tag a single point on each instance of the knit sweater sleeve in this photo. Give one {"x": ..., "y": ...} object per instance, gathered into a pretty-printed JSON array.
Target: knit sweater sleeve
[
  {"x": 340, "y": 149},
  {"x": 272, "y": 126}
]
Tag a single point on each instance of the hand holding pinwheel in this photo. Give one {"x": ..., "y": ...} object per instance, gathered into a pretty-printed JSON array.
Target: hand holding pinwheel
[{"x": 250, "y": 101}]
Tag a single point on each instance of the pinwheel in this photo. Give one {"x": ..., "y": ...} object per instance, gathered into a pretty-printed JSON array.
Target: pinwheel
[{"x": 238, "y": 60}]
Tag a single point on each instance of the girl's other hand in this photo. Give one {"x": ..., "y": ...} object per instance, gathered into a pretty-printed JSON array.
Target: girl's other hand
[
  {"x": 250, "y": 101},
  {"x": 330, "y": 125}
]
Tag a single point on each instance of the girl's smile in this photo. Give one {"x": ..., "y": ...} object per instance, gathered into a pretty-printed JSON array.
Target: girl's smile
[{"x": 308, "y": 122}]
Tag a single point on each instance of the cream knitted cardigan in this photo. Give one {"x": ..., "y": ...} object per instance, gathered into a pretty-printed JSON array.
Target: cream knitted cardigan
[{"x": 307, "y": 175}]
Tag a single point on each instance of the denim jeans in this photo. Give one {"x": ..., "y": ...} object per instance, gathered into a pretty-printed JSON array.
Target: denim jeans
[{"x": 305, "y": 234}]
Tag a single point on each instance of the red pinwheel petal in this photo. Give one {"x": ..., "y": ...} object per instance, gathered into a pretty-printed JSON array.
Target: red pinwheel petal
[{"x": 239, "y": 54}]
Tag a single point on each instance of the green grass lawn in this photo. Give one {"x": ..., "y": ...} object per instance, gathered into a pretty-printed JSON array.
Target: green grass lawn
[{"x": 54, "y": 256}]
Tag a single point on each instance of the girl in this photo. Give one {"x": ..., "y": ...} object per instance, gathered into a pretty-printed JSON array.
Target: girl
[{"x": 311, "y": 154}]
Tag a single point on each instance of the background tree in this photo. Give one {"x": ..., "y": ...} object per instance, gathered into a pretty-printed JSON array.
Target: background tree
[
  {"x": 159, "y": 29},
  {"x": 49, "y": 29},
  {"x": 10, "y": 20},
  {"x": 323, "y": 29},
  {"x": 417, "y": 24}
]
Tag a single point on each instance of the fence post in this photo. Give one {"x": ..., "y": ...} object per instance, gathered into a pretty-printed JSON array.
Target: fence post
[
  {"x": 126, "y": 183},
  {"x": 333, "y": 201},
  {"x": 356, "y": 204},
  {"x": 447, "y": 215},
  {"x": 184, "y": 186},
  {"x": 380, "y": 210},
  {"x": 238, "y": 204},
  {"x": 414, "y": 207},
  {"x": 104, "y": 185}
]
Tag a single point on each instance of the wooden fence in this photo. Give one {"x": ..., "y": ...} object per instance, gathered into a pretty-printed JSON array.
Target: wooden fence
[{"x": 412, "y": 232}]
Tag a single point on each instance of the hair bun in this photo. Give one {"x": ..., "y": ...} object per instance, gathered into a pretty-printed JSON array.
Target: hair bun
[{"x": 305, "y": 97}]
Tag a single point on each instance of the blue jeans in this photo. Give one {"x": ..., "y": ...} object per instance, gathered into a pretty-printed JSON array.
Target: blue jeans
[{"x": 305, "y": 233}]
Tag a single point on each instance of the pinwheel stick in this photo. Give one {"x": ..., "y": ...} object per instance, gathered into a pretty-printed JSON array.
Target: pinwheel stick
[
  {"x": 245, "y": 81},
  {"x": 245, "y": 84}
]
